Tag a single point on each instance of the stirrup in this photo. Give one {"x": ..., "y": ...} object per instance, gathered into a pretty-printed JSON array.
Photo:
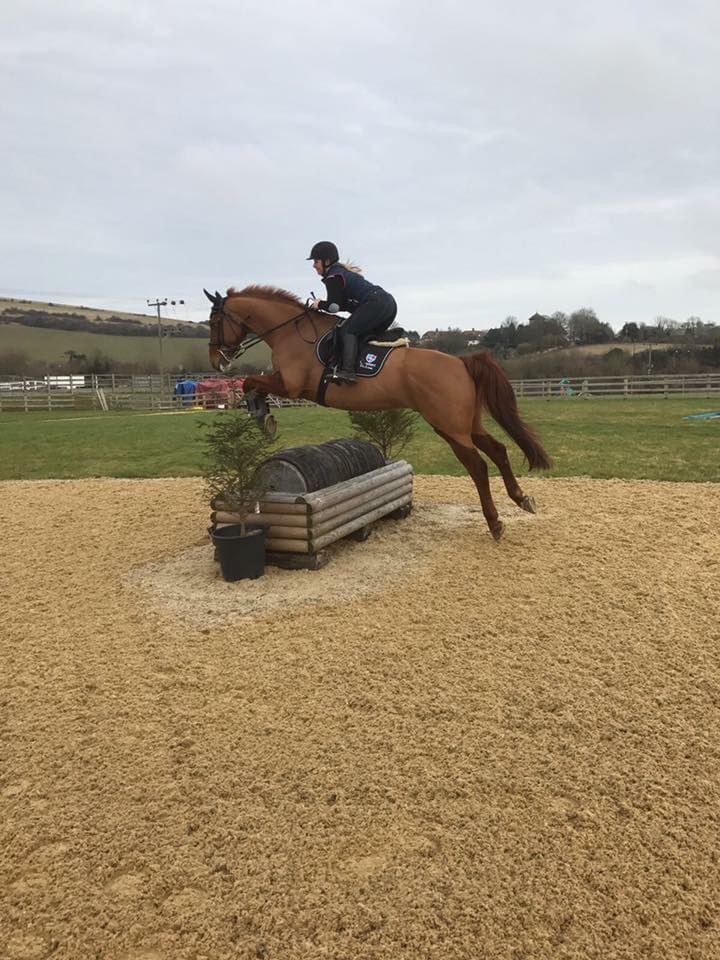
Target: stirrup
[{"x": 345, "y": 376}]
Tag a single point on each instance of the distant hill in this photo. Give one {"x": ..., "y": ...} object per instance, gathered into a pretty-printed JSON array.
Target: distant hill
[
  {"x": 597, "y": 349},
  {"x": 59, "y": 316},
  {"x": 614, "y": 360},
  {"x": 37, "y": 336}
]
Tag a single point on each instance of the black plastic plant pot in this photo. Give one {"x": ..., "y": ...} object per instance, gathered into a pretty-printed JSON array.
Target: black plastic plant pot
[{"x": 242, "y": 557}]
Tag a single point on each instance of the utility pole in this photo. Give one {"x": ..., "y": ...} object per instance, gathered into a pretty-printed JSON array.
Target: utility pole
[{"x": 157, "y": 304}]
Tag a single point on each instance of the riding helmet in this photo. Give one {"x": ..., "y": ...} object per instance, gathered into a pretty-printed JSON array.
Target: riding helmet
[{"x": 324, "y": 251}]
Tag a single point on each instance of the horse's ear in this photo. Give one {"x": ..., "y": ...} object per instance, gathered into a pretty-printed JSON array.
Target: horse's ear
[
  {"x": 210, "y": 297},
  {"x": 218, "y": 296}
]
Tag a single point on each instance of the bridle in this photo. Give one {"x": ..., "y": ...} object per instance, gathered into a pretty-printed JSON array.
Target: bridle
[{"x": 219, "y": 317}]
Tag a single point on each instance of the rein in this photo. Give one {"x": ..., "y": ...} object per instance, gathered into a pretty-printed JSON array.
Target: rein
[{"x": 241, "y": 348}]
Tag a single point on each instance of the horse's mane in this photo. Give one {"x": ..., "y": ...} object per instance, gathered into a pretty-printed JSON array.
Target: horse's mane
[{"x": 266, "y": 293}]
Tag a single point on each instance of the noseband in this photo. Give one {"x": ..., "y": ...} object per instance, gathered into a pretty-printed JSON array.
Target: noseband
[{"x": 218, "y": 317}]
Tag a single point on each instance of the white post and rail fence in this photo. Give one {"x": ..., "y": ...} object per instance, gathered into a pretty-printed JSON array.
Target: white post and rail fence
[{"x": 151, "y": 392}]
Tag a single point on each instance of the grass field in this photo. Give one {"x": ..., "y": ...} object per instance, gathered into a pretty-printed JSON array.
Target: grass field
[
  {"x": 603, "y": 438},
  {"x": 49, "y": 346}
]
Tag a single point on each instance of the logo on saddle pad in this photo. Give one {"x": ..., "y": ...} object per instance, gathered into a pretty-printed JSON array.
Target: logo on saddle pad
[{"x": 368, "y": 361}]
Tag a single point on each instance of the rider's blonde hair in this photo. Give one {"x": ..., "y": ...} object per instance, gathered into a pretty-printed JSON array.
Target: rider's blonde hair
[{"x": 352, "y": 267}]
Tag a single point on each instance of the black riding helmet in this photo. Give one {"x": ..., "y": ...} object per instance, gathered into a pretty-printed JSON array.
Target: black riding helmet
[{"x": 324, "y": 251}]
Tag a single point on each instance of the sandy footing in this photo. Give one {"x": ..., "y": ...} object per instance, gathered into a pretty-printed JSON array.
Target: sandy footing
[{"x": 436, "y": 746}]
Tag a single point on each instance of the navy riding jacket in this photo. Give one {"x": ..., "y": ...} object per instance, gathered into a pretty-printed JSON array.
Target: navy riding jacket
[{"x": 345, "y": 288}]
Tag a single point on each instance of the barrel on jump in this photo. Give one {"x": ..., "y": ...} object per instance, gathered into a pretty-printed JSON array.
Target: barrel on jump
[
  {"x": 319, "y": 494},
  {"x": 311, "y": 468}
]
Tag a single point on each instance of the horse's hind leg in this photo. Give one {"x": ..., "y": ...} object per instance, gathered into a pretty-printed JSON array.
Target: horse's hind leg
[
  {"x": 498, "y": 454},
  {"x": 477, "y": 468}
]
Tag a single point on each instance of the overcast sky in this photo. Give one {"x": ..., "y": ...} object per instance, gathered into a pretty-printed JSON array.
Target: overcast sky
[{"x": 478, "y": 159}]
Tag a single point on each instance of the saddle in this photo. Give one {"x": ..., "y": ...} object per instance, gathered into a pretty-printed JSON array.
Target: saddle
[{"x": 374, "y": 351}]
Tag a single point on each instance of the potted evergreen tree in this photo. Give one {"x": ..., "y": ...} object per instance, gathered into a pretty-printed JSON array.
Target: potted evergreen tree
[{"x": 235, "y": 449}]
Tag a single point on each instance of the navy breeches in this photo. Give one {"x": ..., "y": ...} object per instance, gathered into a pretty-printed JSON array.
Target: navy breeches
[{"x": 374, "y": 315}]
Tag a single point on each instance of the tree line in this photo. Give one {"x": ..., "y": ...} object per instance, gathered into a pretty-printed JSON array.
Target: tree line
[{"x": 560, "y": 330}]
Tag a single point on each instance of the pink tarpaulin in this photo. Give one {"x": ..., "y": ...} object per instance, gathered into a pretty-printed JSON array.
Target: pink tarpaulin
[{"x": 214, "y": 393}]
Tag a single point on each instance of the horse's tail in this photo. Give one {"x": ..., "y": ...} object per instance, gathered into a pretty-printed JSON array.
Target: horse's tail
[{"x": 495, "y": 392}]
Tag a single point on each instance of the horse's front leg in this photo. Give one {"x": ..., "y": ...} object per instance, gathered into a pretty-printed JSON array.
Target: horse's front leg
[
  {"x": 265, "y": 384},
  {"x": 256, "y": 389}
]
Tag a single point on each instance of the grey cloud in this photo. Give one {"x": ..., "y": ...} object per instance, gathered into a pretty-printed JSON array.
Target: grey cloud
[{"x": 477, "y": 161}]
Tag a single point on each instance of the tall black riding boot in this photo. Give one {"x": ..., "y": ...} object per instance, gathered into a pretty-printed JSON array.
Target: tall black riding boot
[{"x": 349, "y": 358}]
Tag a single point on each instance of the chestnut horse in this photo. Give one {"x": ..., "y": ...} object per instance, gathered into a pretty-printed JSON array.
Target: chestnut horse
[{"x": 449, "y": 392}]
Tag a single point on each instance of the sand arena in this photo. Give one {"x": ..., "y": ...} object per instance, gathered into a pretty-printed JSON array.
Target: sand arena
[{"x": 437, "y": 746}]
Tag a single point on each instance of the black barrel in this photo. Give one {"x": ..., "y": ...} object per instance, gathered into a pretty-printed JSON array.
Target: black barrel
[{"x": 316, "y": 466}]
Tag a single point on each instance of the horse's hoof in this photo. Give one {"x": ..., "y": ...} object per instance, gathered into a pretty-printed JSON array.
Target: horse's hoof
[
  {"x": 528, "y": 503},
  {"x": 269, "y": 426},
  {"x": 497, "y": 529}
]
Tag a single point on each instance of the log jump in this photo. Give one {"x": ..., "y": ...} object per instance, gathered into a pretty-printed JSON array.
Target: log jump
[{"x": 304, "y": 514}]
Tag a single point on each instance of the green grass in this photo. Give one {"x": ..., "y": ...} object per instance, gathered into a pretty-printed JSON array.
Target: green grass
[
  {"x": 631, "y": 439},
  {"x": 49, "y": 346}
]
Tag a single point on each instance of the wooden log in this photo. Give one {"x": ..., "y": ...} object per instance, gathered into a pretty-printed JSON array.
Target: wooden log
[
  {"x": 286, "y": 519},
  {"x": 360, "y": 510},
  {"x": 272, "y": 531},
  {"x": 289, "y": 509},
  {"x": 288, "y": 533},
  {"x": 367, "y": 497},
  {"x": 276, "y": 496},
  {"x": 262, "y": 519},
  {"x": 266, "y": 506},
  {"x": 217, "y": 503},
  {"x": 322, "y": 499},
  {"x": 288, "y": 546},
  {"x": 317, "y": 543}
]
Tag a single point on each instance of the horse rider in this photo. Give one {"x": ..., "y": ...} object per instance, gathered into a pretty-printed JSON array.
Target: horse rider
[{"x": 371, "y": 308}]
